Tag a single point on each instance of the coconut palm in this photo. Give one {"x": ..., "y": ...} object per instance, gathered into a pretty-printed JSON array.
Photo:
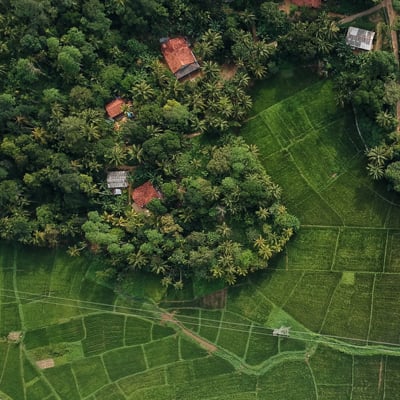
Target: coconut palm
[
  {"x": 224, "y": 230},
  {"x": 378, "y": 155},
  {"x": 142, "y": 92},
  {"x": 211, "y": 70},
  {"x": 375, "y": 171},
  {"x": 117, "y": 155}
]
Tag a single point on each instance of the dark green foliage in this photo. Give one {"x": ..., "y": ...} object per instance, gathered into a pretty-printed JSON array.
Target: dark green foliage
[
  {"x": 101, "y": 337},
  {"x": 90, "y": 375},
  {"x": 137, "y": 331},
  {"x": 152, "y": 378},
  {"x": 62, "y": 380},
  {"x": 164, "y": 351},
  {"x": 123, "y": 362}
]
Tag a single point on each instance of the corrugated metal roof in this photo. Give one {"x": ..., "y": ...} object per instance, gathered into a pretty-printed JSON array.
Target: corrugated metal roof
[
  {"x": 117, "y": 179},
  {"x": 360, "y": 38}
]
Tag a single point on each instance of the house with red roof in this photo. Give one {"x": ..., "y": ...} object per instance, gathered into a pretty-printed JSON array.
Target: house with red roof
[
  {"x": 307, "y": 3},
  {"x": 180, "y": 59},
  {"x": 116, "y": 109},
  {"x": 143, "y": 194}
]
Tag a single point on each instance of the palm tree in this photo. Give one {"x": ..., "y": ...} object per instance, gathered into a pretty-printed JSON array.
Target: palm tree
[
  {"x": 142, "y": 91},
  {"x": 241, "y": 79},
  {"x": 135, "y": 153},
  {"x": 375, "y": 171},
  {"x": 386, "y": 120},
  {"x": 224, "y": 230},
  {"x": 39, "y": 134},
  {"x": 260, "y": 242},
  {"x": 211, "y": 70},
  {"x": 378, "y": 155},
  {"x": 117, "y": 155},
  {"x": 265, "y": 252},
  {"x": 249, "y": 18},
  {"x": 213, "y": 38},
  {"x": 262, "y": 213},
  {"x": 137, "y": 260}
]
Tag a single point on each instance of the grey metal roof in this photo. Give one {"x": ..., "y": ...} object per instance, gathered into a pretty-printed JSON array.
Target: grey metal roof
[
  {"x": 360, "y": 38},
  {"x": 117, "y": 179}
]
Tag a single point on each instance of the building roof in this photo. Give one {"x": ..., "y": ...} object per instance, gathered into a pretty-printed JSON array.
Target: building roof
[
  {"x": 359, "y": 38},
  {"x": 180, "y": 59},
  {"x": 114, "y": 109},
  {"x": 117, "y": 179},
  {"x": 307, "y": 3},
  {"x": 142, "y": 195}
]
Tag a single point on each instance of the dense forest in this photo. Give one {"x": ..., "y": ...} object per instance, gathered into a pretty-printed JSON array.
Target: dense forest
[{"x": 220, "y": 214}]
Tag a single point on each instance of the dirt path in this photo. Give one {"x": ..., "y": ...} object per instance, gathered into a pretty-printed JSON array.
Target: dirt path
[
  {"x": 379, "y": 37},
  {"x": 363, "y": 13},
  {"x": 392, "y": 21},
  {"x": 380, "y": 375},
  {"x": 168, "y": 317}
]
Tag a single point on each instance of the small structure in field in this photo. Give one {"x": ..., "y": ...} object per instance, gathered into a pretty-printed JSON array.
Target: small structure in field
[
  {"x": 143, "y": 194},
  {"x": 282, "y": 331},
  {"x": 180, "y": 59},
  {"x": 307, "y": 3},
  {"x": 14, "y": 336},
  {"x": 358, "y": 38},
  {"x": 116, "y": 109},
  {"x": 117, "y": 180}
]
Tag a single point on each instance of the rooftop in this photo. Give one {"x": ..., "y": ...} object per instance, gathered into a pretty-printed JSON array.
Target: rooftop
[
  {"x": 142, "y": 195},
  {"x": 114, "y": 109},
  {"x": 359, "y": 38},
  {"x": 180, "y": 59},
  {"x": 117, "y": 179}
]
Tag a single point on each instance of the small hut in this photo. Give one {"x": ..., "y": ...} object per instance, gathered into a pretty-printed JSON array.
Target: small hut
[
  {"x": 358, "y": 38},
  {"x": 117, "y": 180}
]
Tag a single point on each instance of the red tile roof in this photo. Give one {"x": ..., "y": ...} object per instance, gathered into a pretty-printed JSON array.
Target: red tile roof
[
  {"x": 143, "y": 194},
  {"x": 115, "y": 108},
  {"x": 177, "y": 54},
  {"x": 307, "y": 3}
]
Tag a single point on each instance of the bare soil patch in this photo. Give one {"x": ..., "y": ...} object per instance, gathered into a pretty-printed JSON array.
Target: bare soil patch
[
  {"x": 214, "y": 300},
  {"x": 228, "y": 71},
  {"x": 46, "y": 363},
  {"x": 14, "y": 336}
]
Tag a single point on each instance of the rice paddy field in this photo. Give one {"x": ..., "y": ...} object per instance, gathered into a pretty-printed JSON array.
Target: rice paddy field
[{"x": 336, "y": 286}]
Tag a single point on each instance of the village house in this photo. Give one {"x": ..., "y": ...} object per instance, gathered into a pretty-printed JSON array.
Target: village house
[
  {"x": 143, "y": 194},
  {"x": 358, "y": 38},
  {"x": 116, "y": 109},
  {"x": 117, "y": 180},
  {"x": 180, "y": 59}
]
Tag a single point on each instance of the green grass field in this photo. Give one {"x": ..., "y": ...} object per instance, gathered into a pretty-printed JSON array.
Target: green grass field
[{"x": 336, "y": 286}]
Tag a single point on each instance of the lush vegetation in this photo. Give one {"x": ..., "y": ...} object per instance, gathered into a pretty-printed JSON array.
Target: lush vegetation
[
  {"x": 338, "y": 277},
  {"x": 56, "y": 144}
]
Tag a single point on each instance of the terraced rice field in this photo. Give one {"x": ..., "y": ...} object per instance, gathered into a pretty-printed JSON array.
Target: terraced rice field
[{"x": 336, "y": 286}]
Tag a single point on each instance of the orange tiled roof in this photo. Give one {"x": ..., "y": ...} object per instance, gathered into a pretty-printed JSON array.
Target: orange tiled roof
[
  {"x": 143, "y": 194},
  {"x": 115, "y": 108},
  {"x": 177, "y": 54},
  {"x": 308, "y": 3}
]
